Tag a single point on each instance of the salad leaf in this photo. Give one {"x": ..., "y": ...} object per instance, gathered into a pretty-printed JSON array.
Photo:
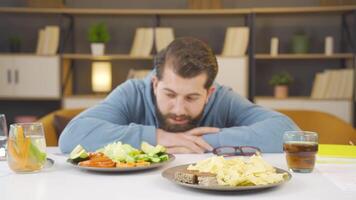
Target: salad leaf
[
  {"x": 119, "y": 152},
  {"x": 151, "y": 150}
]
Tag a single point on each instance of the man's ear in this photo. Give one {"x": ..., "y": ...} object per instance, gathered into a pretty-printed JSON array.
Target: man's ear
[
  {"x": 154, "y": 84},
  {"x": 211, "y": 90}
]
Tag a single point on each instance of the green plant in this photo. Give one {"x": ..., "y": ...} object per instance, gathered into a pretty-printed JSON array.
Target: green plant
[
  {"x": 15, "y": 40},
  {"x": 98, "y": 33},
  {"x": 283, "y": 78},
  {"x": 15, "y": 44}
]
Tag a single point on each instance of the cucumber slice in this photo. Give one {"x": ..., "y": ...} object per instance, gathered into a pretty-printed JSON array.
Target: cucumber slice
[
  {"x": 78, "y": 154},
  {"x": 155, "y": 159}
]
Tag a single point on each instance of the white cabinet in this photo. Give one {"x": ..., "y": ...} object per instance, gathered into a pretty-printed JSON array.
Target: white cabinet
[
  {"x": 29, "y": 76},
  {"x": 6, "y": 77}
]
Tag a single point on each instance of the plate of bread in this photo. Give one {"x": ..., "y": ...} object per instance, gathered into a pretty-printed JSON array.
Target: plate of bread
[{"x": 221, "y": 174}]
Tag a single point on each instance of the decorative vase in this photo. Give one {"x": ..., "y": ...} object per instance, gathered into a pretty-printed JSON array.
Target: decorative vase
[
  {"x": 97, "y": 49},
  {"x": 300, "y": 43},
  {"x": 281, "y": 91},
  {"x": 274, "y": 46}
]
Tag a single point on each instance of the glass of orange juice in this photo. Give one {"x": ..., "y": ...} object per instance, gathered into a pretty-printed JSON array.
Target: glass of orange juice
[{"x": 26, "y": 147}]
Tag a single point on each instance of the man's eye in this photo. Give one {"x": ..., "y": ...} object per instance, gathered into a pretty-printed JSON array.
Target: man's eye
[
  {"x": 170, "y": 95},
  {"x": 191, "y": 98}
]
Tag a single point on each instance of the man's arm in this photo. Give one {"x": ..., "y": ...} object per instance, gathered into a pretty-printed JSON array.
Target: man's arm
[
  {"x": 249, "y": 124},
  {"x": 107, "y": 122}
]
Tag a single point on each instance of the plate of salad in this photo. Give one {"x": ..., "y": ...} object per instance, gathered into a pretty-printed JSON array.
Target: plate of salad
[{"x": 119, "y": 157}]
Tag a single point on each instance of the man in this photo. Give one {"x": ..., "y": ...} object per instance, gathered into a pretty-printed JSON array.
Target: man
[{"x": 180, "y": 107}]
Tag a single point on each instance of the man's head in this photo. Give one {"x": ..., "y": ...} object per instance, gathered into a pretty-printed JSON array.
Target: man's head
[{"x": 186, "y": 70}]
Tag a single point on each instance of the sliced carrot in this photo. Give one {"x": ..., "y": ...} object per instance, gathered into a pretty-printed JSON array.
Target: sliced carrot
[
  {"x": 25, "y": 152},
  {"x": 102, "y": 164},
  {"x": 20, "y": 137},
  {"x": 124, "y": 165},
  {"x": 14, "y": 157},
  {"x": 142, "y": 164}
]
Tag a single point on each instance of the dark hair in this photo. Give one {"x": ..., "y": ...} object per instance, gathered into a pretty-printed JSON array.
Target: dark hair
[{"x": 189, "y": 57}]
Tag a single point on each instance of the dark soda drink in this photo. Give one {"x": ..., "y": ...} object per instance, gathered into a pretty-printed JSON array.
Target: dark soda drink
[{"x": 300, "y": 155}]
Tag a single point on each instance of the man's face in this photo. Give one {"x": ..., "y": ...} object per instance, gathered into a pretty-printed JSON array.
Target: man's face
[{"x": 180, "y": 101}]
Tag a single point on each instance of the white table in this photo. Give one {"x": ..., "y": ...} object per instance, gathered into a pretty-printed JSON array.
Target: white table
[{"x": 63, "y": 182}]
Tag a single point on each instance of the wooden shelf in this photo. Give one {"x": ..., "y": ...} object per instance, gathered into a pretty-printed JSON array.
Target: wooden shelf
[
  {"x": 101, "y": 11},
  {"x": 293, "y": 98},
  {"x": 87, "y": 96},
  {"x": 311, "y": 9},
  {"x": 304, "y": 56},
  {"x": 233, "y": 11},
  {"x": 104, "y": 57},
  {"x": 24, "y": 54},
  {"x": 30, "y": 98}
]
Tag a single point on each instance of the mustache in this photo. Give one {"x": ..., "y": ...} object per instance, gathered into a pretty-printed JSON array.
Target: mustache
[{"x": 181, "y": 117}]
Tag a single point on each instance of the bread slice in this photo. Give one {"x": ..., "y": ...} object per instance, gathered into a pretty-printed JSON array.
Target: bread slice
[
  {"x": 196, "y": 177},
  {"x": 207, "y": 179},
  {"x": 186, "y": 176}
]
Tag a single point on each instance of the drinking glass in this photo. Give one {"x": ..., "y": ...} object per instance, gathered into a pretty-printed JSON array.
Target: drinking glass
[
  {"x": 300, "y": 148},
  {"x": 3, "y": 137},
  {"x": 26, "y": 147}
]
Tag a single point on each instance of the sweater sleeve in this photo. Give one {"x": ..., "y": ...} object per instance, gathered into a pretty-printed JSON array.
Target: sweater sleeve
[
  {"x": 251, "y": 125},
  {"x": 109, "y": 121}
]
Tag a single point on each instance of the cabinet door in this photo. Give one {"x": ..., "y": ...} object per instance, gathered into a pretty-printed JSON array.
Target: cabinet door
[
  {"x": 37, "y": 77},
  {"x": 6, "y": 76}
]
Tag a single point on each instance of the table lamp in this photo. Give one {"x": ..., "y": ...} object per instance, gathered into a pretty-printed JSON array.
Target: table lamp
[{"x": 101, "y": 76}]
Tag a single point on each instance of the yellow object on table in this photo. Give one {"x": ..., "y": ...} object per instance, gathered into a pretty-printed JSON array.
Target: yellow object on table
[{"x": 339, "y": 151}]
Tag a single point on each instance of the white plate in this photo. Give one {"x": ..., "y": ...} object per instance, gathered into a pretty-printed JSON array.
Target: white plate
[
  {"x": 169, "y": 174},
  {"x": 122, "y": 169}
]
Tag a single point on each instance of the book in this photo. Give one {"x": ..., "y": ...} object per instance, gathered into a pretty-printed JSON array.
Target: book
[
  {"x": 342, "y": 84},
  {"x": 48, "y": 40},
  {"x": 53, "y": 42},
  {"x": 320, "y": 86},
  {"x": 138, "y": 41},
  {"x": 324, "y": 94},
  {"x": 236, "y": 41},
  {"x": 148, "y": 42},
  {"x": 143, "y": 42},
  {"x": 333, "y": 84},
  {"x": 163, "y": 37},
  {"x": 315, "y": 93},
  {"x": 40, "y": 41},
  {"x": 349, "y": 88}
]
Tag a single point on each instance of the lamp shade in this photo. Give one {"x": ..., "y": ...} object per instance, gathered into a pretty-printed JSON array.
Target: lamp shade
[{"x": 101, "y": 76}]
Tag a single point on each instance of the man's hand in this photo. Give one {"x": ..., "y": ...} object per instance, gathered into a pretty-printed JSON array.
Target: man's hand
[{"x": 186, "y": 142}]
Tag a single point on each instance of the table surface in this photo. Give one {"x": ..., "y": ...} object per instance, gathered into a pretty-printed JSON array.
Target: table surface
[{"x": 65, "y": 181}]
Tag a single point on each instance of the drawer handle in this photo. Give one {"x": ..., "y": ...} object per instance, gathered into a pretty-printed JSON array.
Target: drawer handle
[
  {"x": 9, "y": 76},
  {"x": 16, "y": 76}
]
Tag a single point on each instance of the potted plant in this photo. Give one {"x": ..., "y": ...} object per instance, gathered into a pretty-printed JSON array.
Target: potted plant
[
  {"x": 98, "y": 35},
  {"x": 300, "y": 43},
  {"x": 15, "y": 44},
  {"x": 280, "y": 82}
]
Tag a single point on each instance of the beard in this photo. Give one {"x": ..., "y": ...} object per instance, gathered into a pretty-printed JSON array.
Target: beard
[{"x": 169, "y": 127}]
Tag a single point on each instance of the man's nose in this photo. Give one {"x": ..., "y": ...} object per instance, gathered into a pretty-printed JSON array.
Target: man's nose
[{"x": 179, "y": 107}]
